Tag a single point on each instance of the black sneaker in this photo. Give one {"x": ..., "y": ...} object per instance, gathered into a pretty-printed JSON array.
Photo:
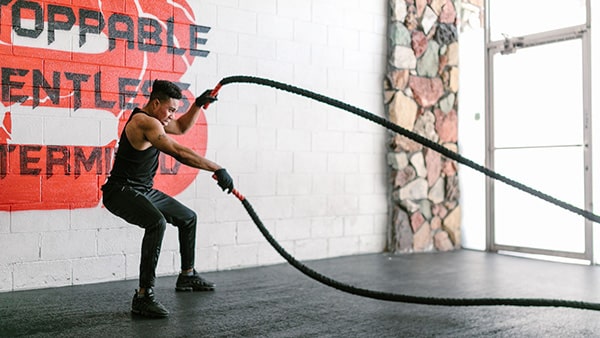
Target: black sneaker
[
  {"x": 146, "y": 305},
  {"x": 193, "y": 283}
]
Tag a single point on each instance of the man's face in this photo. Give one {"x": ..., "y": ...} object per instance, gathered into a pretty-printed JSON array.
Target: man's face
[{"x": 165, "y": 111}]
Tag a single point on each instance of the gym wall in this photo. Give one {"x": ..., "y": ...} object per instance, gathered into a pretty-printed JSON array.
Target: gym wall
[{"x": 73, "y": 70}]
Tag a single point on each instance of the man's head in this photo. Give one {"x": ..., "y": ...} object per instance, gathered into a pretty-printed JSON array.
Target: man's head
[
  {"x": 164, "y": 100},
  {"x": 164, "y": 90}
]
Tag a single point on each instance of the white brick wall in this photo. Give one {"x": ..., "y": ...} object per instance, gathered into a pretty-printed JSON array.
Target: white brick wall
[{"x": 316, "y": 175}]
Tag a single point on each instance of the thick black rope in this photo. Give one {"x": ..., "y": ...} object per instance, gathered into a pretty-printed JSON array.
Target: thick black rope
[{"x": 395, "y": 297}]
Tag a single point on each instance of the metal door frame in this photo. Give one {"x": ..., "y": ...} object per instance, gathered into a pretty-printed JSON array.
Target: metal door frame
[{"x": 511, "y": 45}]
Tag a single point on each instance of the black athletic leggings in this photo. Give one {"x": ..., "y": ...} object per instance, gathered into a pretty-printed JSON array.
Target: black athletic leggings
[{"x": 152, "y": 210}]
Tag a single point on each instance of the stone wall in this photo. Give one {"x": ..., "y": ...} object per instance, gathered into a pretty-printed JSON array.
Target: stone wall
[{"x": 421, "y": 88}]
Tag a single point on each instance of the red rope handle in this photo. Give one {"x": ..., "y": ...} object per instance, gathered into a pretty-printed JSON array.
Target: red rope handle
[
  {"x": 213, "y": 93},
  {"x": 235, "y": 192}
]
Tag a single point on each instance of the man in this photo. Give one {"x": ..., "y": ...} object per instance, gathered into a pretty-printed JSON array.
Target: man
[{"x": 129, "y": 193}]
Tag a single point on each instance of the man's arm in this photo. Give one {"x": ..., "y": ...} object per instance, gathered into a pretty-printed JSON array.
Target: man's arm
[
  {"x": 156, "y": 134},
  {"x": 184, "y": 122},
  {"x": 187, "y": 120}
]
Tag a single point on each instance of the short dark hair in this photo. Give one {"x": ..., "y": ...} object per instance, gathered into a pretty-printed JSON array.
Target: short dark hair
[{"x": 164, "y": 90}]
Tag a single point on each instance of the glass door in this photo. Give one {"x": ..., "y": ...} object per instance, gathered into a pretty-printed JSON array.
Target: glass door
[{"x": 537, "y": 132}]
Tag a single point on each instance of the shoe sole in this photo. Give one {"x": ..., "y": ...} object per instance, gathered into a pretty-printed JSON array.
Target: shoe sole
[
  {"x": 149, "y": 314},
  {"x": 191, "y": 289}
]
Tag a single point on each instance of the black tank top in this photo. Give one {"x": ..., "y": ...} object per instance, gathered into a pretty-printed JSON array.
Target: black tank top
[{"x": 133, "y": 167}]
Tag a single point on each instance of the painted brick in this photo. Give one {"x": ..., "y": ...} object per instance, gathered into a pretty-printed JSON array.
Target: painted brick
[
  {"x": 237, "y": 114},
  {"x": 268, "y": 255},
  {"x": 358, "y": 225},
  {"x": 206, "y": 11},
  {"x": 310, "y": 118},
  {"x": 279, "y": 71},
  {"x": 372, "y": 243},
  {"x": 171, "y": 239},
  {"x": 272, "y": 207},
  {"x": 248, "y": 233},
  {"x": 294, "y": 184},
  {"x": 167, "y": 264},
  {"x": 341, "y": 120},
  {"x": 68, "y": 245},
  {"x": 360, "y": 143},
  {"x": 292, "y": 229},
  {"x": 343, "y": 246},
  {"x": 233, "y": 64},
  {"x": 40, "y": 221},
  {"x": 296, "y": 9},
  {"x": 223, "y": 137},
  {"x": 328, "y": 184},
  {"x": 313, "y": 78},
  {"x": 326, "y": 13},
  {"x": 94, "y": 218},
  {"x": 310, "y": 162},
  {"x": 274, "y": 161},
  {"x": 380, "y": 224},
  {"x": 255, "y": 138},
  {"x": 311, "y": 249},
  {"x": 341, "y": 37},
  {"x": 294, "y": 52},
  {"x": 237, "y": 162},
  {"x": 123, "y": 240},
  {"x": 275, "y": 116},
  {"x": 261, "y": 6},
  {"x": 275, "y": 27},
  {"x": 362, "y": 183},
  {"x": 29, "y": 130},
  {"x": 132, "y": 266},
  {"x": 205, "y": 208},
  {"x": 6, "y": 278},
  {"x": 18, "y": 248},
  {"x": 99, "y": 269},
  {"x": 42, "y": 275},
  {"x": 236, "y": 20},
  {"x": 5, "y": 218},
  {"x": 293, "y": 140},
  {"x": 221, "y": 233},
  {"x": 310, "y": 206},
  {"x": 342, "y": 204},
  {"x": 310, "y": 32},
  {"x": 325, "y": 227},
  {"x": 237, "y": 256},
  {"x": 342, "y": 163},
  {"x": 327, "y": 142},
  {"x": 343, "y": 78},
  {"x": 371, "y": 163},
  {"x": 258, "y": 184},
  {"x": 230, "y": 209},
  {"x": 82, "y": 131},
  {"x": 372, "y": 204},
  {"x": 257, "y": 47},
  {"x": 206, "y": 258},
  {"x": 223, "y": 42}
]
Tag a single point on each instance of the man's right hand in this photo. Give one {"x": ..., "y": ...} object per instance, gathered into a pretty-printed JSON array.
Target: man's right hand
[
  {"x": 205, "y": 98},
  {"x": 224, "y": 180}
]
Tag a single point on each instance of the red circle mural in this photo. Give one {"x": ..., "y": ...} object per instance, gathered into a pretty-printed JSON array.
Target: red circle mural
[{"x": 71, "y": 75}]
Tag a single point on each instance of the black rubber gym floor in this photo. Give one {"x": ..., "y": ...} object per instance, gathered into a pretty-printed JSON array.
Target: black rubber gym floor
[{"x": 279, "y": 301}]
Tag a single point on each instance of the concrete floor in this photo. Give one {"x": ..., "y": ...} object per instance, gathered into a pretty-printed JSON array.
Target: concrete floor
[{"x": 279, "y": 301}]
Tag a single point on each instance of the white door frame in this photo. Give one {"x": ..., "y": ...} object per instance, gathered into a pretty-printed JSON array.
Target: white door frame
[{"x": 511, "y": 45}]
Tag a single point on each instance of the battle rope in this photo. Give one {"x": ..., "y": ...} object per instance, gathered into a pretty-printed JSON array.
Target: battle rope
[{"x": 538, "y": 302}]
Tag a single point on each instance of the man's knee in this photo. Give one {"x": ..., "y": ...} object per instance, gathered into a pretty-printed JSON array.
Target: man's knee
[{"x": 159, "y": 225}]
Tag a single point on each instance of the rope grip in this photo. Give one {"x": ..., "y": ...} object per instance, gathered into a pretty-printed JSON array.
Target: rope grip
[
  {"x": 213, "y": 93},
  {"x": 235, "y": 192}
]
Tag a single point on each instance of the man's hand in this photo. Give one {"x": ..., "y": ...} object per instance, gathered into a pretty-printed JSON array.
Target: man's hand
[
  {"x": 205, "y": 98},
  {"x": 224, "y": 180}
]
